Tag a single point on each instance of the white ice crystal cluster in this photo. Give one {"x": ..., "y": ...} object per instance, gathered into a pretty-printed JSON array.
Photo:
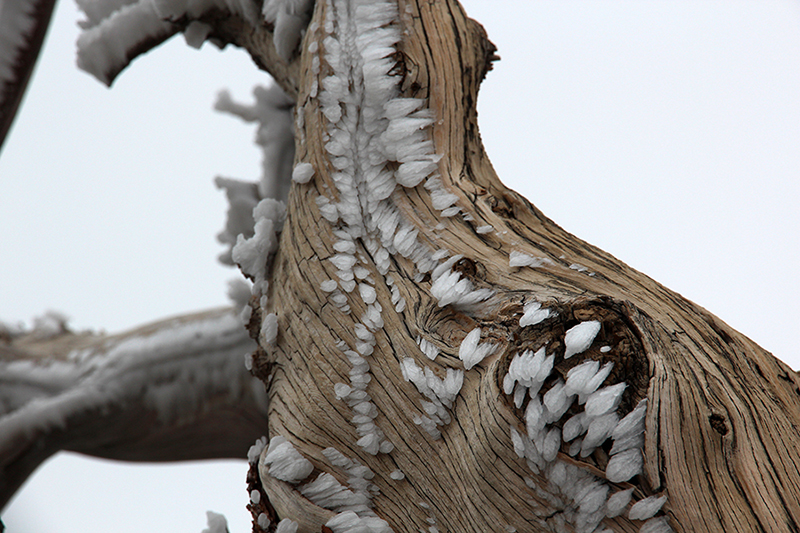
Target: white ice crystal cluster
[
  {"x": 450, "y": 288},
  {"x": 371, "y": 437},
  {"x": 471, "y": 351},
  {"x": 177, "y": 386},
  {"x": 376, "y": 141},
  {"x": 255, "y": 450},
  {"x": 282, "y": 461},
  {"x": 289, "y": 19},
  {"x": 428, "y": 348},
  {"x": 519, "y": 259},
  {"x": 272, "y": 112},
  {"x": 580, "y": 337},
  {"x": 243, "y": 196},
  {"x": 350, "y": 522},
  {"x": 352, "y": 502},
  {"x": 287, "y": 525},
  {"x": 582, "y": 499},
  {"x": 440, "y": 394},
  {"x": 257, "y": 211},
  {"x": 533, "y": 313},
  {"x": 115, "y": 30},
  {"x": 356, "y": 497},
  {"x": 50, "y": 324}
]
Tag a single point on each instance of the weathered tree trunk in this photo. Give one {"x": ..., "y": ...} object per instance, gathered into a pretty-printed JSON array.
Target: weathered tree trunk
[
  {"x": 438, "y": 354},
  {"x": 721, "y": 438}
]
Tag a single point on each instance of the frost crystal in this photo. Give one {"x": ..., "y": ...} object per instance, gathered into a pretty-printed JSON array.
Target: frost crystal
[
  {"x": 532, "y": 314},
  {"x": 646, "y": 508},
  {"x": 284, "y": 462},
  {"x": 580, "y": 337},
  {"x": 350, "y": 522},
  {"x": 624, "y": 465},
  {"x": 216, "y": 523},
  {"x": 302, "y": 173},
  {"x": 269, "y": 329},
  {"x": 519, "y": 259},
  {"x": 287, "y": 526},
  {"x": 617, "y": 502},
  {"x": 604, "y": 400},
  {"x": 255, "y": 450},
  {"x": 327, "y": 492},
  {"x": 471, "y": 352},
  {"x": 451, "y": 289}
]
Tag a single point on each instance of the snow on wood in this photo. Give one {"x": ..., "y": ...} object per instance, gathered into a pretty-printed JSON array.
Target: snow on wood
[
  {"x": 272, "y": 111},
  {"x": 23, "y": 24},
  {"x": 177, "y": 373},
  {"x": 105, "y": 49}
]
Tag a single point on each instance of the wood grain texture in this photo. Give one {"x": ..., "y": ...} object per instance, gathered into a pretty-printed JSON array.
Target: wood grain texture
[
  {"x": 722, "y": 418},
  {"x": 721, "y": 439}
]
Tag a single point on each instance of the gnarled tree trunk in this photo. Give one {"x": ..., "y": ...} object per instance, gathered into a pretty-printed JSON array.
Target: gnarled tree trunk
[
  {"x": 439, "y": 354},
  {"x": 720, "y": 439}
]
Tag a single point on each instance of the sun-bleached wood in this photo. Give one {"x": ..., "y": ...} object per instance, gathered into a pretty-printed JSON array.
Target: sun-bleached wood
[
  {"x": 722, "y": 419},
  {"x": 722, "y": 415}
]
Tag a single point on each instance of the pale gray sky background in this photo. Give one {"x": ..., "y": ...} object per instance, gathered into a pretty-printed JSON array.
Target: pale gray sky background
[{"x": 665, "y": 132}]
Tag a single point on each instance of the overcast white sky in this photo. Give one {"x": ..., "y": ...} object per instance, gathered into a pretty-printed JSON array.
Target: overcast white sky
[{"x": 665, "y": 132}]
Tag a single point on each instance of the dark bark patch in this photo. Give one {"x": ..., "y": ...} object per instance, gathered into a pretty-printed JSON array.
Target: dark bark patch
[{"x": 717, "y": 422}]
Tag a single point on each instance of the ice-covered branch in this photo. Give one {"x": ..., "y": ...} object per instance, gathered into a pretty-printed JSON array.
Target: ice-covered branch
[
  {"x": 173, "y": 390},
  {"x": 117, "y": 31},
  {"x": 23, "y": 24}
]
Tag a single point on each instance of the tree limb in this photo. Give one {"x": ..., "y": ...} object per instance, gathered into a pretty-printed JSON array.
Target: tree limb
[{"x": 174, "y": 390}]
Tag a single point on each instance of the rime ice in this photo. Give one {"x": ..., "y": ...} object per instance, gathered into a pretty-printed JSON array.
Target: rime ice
[
  {"x": 216, "y": 523},
  {"x": 580, "y": 337},
  {"x": 284, "y": 462}
]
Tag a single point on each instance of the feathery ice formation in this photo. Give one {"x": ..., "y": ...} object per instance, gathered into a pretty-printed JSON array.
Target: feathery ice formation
[
  {"x": 378, "y": 147},
  {"x": 116, "y": 31},
  {"x": 377, "y": 141},
  {"x": 576, "y": 415},
  {"x": 378, "y": 144}
]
